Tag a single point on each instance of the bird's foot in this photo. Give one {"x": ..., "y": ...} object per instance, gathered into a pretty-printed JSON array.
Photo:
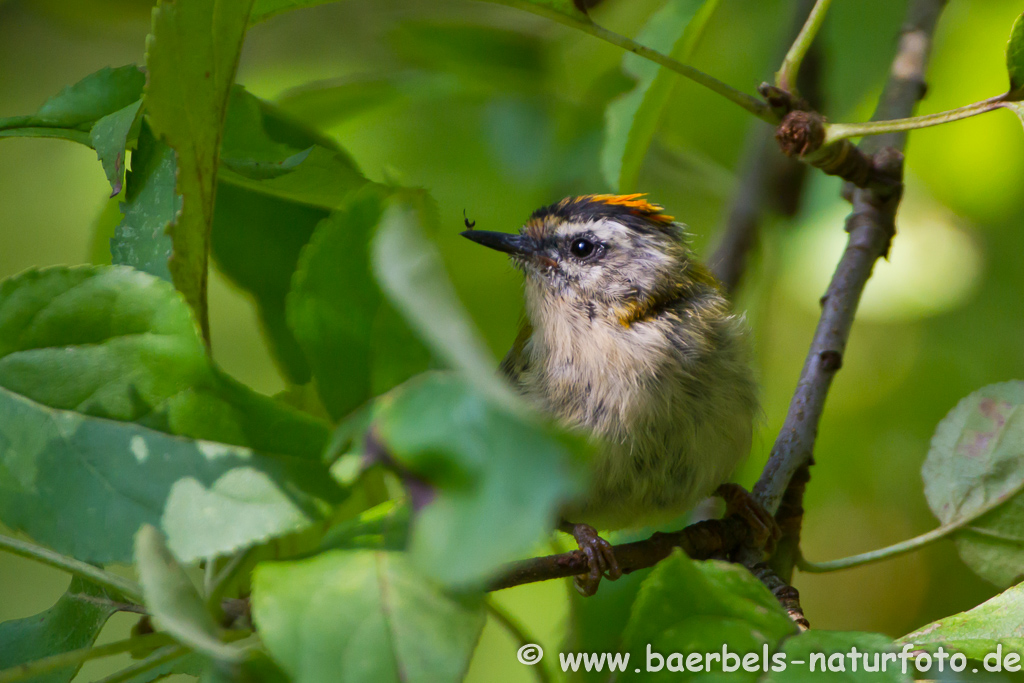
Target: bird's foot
[
  {"x": 764, "y": 531},
  {"x": 599, "y": 555}
]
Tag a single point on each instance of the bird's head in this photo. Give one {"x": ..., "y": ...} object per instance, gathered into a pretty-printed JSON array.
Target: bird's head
[{"x": 617, "y": 252}]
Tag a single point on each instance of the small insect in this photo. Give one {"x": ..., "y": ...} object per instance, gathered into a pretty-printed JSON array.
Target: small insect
[{"x": 469, "y": 224}]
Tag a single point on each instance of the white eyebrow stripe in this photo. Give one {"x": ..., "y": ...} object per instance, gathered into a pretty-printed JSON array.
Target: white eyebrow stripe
[{"x": 602, "y": 228}]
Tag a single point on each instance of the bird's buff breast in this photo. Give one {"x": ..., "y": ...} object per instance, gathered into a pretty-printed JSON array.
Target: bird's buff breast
[{"x": 669, "y": 431}]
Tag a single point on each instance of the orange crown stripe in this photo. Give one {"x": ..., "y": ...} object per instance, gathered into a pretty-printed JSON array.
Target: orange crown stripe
[{"x": 635, "y": 202}]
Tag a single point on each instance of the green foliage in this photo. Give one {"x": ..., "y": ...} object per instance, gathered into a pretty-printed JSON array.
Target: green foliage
[
  {"x": 363, "y": 615},
  {"x": 976, "y": 458},
  {"x": 191, "y": 57},
  {"x": 489, "y": 470},
  {"x": 150, "y": 204},
  {"x": 92, "y": 360},
  {"x": 411, "y": 274},
  {"x": 977, "y": 632},
  {"x": 262, "y": 223},
  {"x": 687, "y": 606},
  {"x": 631, "y": 119},
  {"x": 172, "y": 599},
  {"x": 68, "y": 475},
  {"x": 114, "y": 343},
  {"x": 118, "y": 433},
  {"x": 836, "y": 646},
  {"x": 75, "y": 111},
  {"x": 72, "y": 623},
  {"x": 355, "y": 343},
  {"x": 101, "y": 110}
]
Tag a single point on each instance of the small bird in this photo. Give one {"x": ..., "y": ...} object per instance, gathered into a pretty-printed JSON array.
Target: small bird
[{"x": 630, "y": 339}]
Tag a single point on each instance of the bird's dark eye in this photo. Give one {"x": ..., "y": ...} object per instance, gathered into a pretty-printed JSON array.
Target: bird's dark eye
[{"x": 582, "y": 248}]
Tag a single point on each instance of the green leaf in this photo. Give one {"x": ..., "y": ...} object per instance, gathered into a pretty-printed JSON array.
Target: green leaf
[
  {"x": 95, "y": 96},
  {"x": 172, "y": 600},
  {"x": 261, "y": 225},
  {"x": 1015, "y": 57},
  {"x": 115, "y": 343},
  {"x": 382, "y": 527},
  {"x": 498, "y": 479},
  {"x": 338, "y": 314},
  {"x": 74, "y": 111},
  {"x": 85, "y": 352},
  {"x": 977, "y": 632},
  {"x": 150, "y": 204},
  {"x": 110, "y": 137},
  {"x": 689, "y": 606},
  {"x": 977, "y": 458},
  {"x": 832, "y": 649},
  {"x": 191, "y": 57},
  {"x": 354, "y": 616},
  {"x": 84, "y": 485},
  {"x": 264, "y": 169},
  {"x": 72, "y": 623},
  {"x": 411, "y": 274},
  {"x": 632, "y": 118}
]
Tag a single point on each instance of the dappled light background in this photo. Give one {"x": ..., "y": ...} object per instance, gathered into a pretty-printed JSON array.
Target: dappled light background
[{"x": 497, "y": 112}]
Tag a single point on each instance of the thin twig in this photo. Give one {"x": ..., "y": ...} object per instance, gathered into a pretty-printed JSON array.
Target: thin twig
[
  {"x": 834, "y": 132},
  {"x": 787, "y": 76},
  {"x": 752, "y": 104},
  {"x": 112, "y": 604},
  {"x": 910, "y": 544},
  {"x": 128, "y": 589}
]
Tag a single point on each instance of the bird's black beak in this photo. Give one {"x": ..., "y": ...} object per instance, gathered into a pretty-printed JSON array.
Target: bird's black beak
[{"x": 510, "y": 243}]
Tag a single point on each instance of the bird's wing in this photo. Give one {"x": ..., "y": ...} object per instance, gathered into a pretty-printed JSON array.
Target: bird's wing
[{"x": 516, "y": 360}]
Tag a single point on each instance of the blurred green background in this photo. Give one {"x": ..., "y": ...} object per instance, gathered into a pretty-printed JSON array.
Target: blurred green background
[{"x": 498, "y": 112}]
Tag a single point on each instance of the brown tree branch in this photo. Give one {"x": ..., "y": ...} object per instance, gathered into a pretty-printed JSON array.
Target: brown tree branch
[
  {"x": 712, "y": 538},
  {"x": 871, "y": 226}
]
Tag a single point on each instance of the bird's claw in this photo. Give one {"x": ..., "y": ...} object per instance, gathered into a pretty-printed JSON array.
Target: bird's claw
[
  {"x": 600, "y": 558},
  {"x": 764, "y": 531}
]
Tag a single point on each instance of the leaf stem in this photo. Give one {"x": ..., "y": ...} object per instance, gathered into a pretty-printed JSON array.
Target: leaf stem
[
  {"x": 518, "y": 634},
  {"x": 158, "y": 658},
  {"x": 912, "y": 543},
  {"x": 752, "y": 104},
  {"x": 220, "y": 583},
  {"x": 128, "y": 589},
  {"x": 39, "y": 667},
  {"x": 834, "y": 132},
  {"x": 787, "y": 75}
]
